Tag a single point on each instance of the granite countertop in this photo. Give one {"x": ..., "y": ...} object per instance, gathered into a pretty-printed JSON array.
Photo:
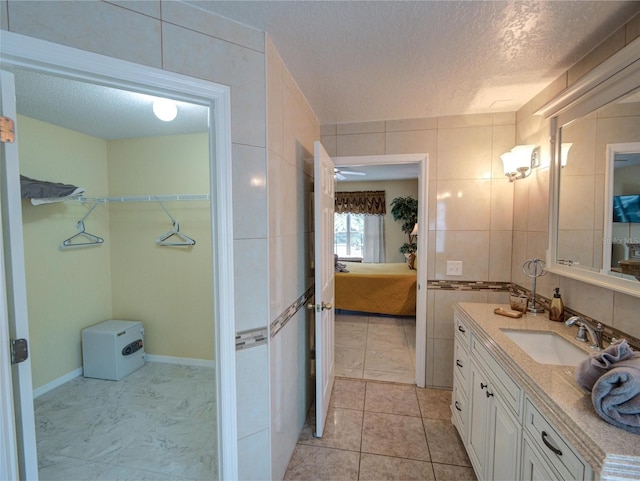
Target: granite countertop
[{"x": 612, "y": 452}]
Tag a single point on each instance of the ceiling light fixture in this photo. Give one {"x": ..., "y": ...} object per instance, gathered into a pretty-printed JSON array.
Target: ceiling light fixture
[
  {"x": 520, "y": 161},
  {"x": 165, "y": 110}
]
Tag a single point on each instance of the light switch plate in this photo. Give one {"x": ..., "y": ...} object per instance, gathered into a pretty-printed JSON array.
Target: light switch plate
[{"x": 454, "y": 268}]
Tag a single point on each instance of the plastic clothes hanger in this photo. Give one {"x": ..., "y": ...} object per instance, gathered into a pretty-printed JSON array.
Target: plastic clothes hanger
[
  {"x": 169, "y": 237},
  {"x": 91, "y": 240}
]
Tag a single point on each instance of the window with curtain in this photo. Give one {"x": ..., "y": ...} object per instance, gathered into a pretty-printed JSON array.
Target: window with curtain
[{"x": 359, "y": 226}]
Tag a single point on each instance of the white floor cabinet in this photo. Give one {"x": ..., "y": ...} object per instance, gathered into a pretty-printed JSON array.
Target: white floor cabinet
[{"x": 505, "y": 435}]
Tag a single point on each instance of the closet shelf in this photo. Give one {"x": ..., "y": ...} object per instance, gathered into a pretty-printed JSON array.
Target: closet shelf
[{"x": 142, "y": 198}]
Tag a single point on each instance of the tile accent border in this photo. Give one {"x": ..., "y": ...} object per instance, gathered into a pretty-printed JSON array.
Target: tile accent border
[
  {"x": 469, "y": 285},
  {"x": 251, "y": 338},
  {"x": 290, "y": 311}
]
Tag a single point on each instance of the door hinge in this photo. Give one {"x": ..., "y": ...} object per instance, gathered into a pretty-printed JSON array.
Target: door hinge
[
  {"x": 7, "y": 130},
  {"x": 19, "y": 350}
]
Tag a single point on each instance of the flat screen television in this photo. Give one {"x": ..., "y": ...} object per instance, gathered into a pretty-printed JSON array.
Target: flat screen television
[{"x": 626, "y": 208}]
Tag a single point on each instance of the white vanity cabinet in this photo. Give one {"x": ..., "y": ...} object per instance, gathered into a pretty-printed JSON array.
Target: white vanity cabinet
[
  {"x": 494, "y": 432},
  {"x": 505, "y": 435}
]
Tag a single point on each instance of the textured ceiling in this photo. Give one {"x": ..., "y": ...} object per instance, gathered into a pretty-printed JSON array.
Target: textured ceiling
[{"x": 374, "y": 60}]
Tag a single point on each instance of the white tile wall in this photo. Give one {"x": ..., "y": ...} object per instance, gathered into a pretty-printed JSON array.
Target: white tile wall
[
  {"x": 251, "y": 269},
  {"x": 254, "y": 463},
  {"x": 249, "y": 172},
  {"x": 252, "y": 377}
]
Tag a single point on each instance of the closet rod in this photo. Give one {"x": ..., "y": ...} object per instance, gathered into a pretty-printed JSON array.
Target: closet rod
[{"x": 143, "y": 198}]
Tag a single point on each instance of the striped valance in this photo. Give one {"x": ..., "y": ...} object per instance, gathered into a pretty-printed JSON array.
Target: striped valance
[{"x": 366, "y": 202}]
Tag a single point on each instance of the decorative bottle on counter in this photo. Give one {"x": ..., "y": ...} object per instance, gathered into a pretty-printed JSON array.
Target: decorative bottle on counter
[{"x": 556, "y": 309}]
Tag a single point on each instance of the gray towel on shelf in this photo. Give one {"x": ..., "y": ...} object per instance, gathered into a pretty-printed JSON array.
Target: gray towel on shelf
[
  {"x": 45, "y": 192},
  {"x": 616, "y": 395},
  {"x": 590, "y": 370}
]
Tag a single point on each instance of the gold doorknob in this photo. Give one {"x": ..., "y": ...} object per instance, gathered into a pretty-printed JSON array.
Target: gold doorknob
[
  {"x": 311, "y": 306},
  {"x": 326, "y": 306}
]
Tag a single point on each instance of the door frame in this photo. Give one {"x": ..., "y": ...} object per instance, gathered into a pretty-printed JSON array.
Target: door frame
[
  {"x": 47, "y": 57},
  {"x": 422, "y": 159}
]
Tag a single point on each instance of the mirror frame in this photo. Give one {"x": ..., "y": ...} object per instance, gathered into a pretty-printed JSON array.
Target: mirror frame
[{"x": 612, "y": 79}]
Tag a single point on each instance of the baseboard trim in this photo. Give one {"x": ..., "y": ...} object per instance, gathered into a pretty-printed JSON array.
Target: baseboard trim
[
  {"x": 50, "y": 386},
  {"x": 184, "y": 361}
]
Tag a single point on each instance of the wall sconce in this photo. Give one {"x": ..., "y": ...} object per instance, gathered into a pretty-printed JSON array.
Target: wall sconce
[
  {"x": 564, "y": 153},
  {"x": 520, "y": 161}
]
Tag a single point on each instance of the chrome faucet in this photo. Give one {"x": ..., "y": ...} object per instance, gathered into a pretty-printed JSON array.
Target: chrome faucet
[{"x": 595, "y": 333}]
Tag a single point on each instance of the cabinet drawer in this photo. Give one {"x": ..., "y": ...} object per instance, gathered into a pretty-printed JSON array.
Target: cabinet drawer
[
  {"x": 461, "y": 363},
  {"x": 510, "y": 392},
  {"x": 459, "y": 410},
  {"x": 462, "y": 332},
  {"x": 551, "y": 444}
]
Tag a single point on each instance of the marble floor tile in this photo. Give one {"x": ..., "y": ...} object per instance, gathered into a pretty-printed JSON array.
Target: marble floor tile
[
  {"x": 313, "y": 463},
  {"x": 348, "y": 393},
  {"x": 157, "y": 423},
  {"x": 434, "y": 403},
  {"x": 386, "y": 341},
  {"x": 354, "y": 340},
  {"x": 350, "y": 373},
  {"x": 375, "y": 333},
  {"x": 342, "y": 429},
  {"x": 375, "y": 468},
  {"x": 392, "y": 399},
  {"x": 349, "y": 358},
  {"x": 446, "y": 472},
  {"x": 394, "y": 361},
  {"x": 404, "y": 377},
  {"x": 444, "y": 443},
  {"x": 394, "y": 435}
]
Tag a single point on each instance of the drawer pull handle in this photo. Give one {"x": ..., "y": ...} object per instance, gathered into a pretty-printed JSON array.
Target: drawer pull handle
[
  {"x": 457, "y": 405},
  {"x": 482, "y": 385},
  {"x": 489, "y": 394},
  {"x": 461, "y": 329},
  {"x": 549, "y": 445},
  {"x": 458, "y": 363}
]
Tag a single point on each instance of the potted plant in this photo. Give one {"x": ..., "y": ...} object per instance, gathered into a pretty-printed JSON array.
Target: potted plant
[{"x": 405, "y": 210}]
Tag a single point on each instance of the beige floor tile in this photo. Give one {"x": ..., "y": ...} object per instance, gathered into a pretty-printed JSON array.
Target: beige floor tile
[
  {"x": 351, "y": 326},
  {"x": 375, "y": 468},
  {"x": 348, "y": 393},
  {"x": 394, "y": 435},
  {"x": 446, "y": 472},
  {"x": 406, "y": 377},
  {"x": 445, "y": 445},
  {"x": 342, "y": 430},
  {"x": 391, "y": 399},
  {"x": 394, "y": 361},
  {"x": 434, "y": 403},
  {"x": 311, "y": 463},
  {"x": 386, "y": 324}
]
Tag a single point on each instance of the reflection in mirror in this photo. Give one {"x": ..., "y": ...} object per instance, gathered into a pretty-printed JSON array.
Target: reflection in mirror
[
  {"x": 585, "y": 200},
  {"x": 621, "y": 246}
]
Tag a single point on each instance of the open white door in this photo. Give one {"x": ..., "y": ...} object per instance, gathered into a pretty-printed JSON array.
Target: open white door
[
  {"x": 15, "y": 324},
  {"x": 324, "y": 195}
]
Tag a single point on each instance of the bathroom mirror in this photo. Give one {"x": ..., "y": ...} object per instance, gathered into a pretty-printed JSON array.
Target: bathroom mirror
[{"x": 594, "y": 177}]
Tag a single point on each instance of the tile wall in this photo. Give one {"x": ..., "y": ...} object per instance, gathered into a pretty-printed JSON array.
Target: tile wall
[
  {"x": 470, "y": 206},
  {"x": 292, "y": 130}
]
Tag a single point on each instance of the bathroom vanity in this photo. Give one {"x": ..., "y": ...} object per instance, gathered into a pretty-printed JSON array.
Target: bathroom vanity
[{"x": 526, "y": 419}]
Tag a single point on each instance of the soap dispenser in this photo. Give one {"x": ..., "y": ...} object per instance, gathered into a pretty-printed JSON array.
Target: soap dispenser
[{"x": 556, "y": 309}]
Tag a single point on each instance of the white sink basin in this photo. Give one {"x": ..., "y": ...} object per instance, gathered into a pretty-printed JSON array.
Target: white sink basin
[{"x": 547, "y": 347}]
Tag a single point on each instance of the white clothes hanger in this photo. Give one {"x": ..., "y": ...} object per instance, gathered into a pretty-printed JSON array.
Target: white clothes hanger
[
  {"x": 173, "y": 237},
  {"x": 90, "y": 239}
]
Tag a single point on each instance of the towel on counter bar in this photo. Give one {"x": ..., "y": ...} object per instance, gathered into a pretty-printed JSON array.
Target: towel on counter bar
[
  {"x": 590, "y": 370},
  {"x": 616, "y": 395},
  {"x": 44, "y": 192}
]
